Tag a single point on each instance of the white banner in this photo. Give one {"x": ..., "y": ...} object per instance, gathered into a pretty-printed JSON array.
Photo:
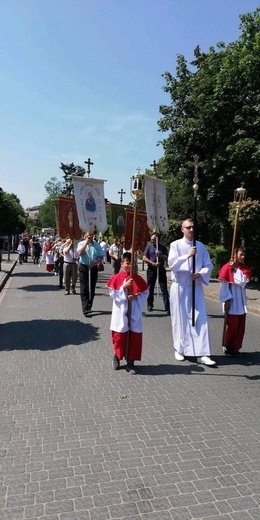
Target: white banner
[
  {"x": 90, "y": 203},
  {"x": 155, "y": 201}
]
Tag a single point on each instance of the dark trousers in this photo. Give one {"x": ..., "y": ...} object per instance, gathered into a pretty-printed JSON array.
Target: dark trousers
[
  {"x": 87, "y": 296},
  {"x": 151, "y": 280}
]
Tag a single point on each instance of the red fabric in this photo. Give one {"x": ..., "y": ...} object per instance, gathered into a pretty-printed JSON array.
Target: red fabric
[
  {"x": 235, "y": 331},
  {"x": 226, "y": 272},
  {"x": 119, "y": 340},
  {"x": 141, "y": 230},
  {"x": 139, "y": 284},
  {"x": 68, "y": 222},
  {"x": 49, "y": 267}
]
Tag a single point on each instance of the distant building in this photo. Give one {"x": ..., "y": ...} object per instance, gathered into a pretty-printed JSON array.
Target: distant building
[{"x": 33, "y": 213}]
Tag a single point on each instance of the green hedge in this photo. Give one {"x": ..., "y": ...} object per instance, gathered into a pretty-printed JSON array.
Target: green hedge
[{"x": 219, "y": 256}]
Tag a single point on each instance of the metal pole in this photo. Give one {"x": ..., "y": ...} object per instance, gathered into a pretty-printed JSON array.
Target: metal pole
[{"x": 196, "y": 165}]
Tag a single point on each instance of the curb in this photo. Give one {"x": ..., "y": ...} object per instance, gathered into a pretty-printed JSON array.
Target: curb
[{"x": 7, "y": 275}]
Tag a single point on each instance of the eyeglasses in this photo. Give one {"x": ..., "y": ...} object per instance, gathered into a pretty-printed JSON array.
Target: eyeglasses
[{"x": 188, "y": 227}]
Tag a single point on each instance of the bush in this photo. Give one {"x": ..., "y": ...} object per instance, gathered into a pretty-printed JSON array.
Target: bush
[{"x": 219, "y": 256}]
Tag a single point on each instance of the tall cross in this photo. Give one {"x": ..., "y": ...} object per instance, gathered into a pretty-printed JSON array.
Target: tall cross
[
  {"x": 89, "y": 163},
  {"x": 196, "y": 165},
  {"x": 121, "y": 193},
  {"x": 154, "y": 166}
]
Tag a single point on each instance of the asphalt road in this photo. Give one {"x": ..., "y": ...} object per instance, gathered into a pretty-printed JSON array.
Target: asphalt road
[{"x": 80, "y": 441}]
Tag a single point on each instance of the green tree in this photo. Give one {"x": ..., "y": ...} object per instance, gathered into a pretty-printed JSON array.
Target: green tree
[
  {"x": 47, "y": 212},
  {"x": 69, "y": 170},
  {"x": 214, "y": 113},
  {"x": 12, "y": 215}
]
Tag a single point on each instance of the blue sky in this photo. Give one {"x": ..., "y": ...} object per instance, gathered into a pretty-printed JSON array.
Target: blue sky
[{"x": 83, "y": 78}]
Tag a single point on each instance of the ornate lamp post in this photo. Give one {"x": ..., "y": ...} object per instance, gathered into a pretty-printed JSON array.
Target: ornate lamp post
[{"x": 239, "y": 198}]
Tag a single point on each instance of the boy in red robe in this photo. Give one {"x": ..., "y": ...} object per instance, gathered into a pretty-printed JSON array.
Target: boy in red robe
[
  {"x": 129, "y": 296},
  {"x": 233, "y": 278}
]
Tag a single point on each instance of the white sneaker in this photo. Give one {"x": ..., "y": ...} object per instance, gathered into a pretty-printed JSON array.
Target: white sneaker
[
  {"x": 206, "y": 360},
  {"x": 178, "y": 356}
]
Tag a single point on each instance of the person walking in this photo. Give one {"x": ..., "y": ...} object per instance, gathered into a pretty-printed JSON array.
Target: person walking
[
  {"x": 70, "y": 268},
  {"x": 155, "y": 256},
  {"x": 233, "y": 277},
  {"x": 189, "y": 340},
  {"x": 21, "y": 251},
  {"x": 127, "y": 326},
  {"x": 91, "y": 255},
  {"x": 115, "y": 253}
]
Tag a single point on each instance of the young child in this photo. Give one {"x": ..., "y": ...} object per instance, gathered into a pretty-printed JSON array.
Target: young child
[
  {"x": 129, "y": 296},
  {"x": 233, "y": 278}
]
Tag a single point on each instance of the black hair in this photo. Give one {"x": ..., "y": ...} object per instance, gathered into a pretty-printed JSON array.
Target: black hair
[{"x": 127, "y": 255}]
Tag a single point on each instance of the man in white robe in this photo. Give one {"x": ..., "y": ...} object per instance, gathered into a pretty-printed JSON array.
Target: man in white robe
[{"x": 189, "y": 340}]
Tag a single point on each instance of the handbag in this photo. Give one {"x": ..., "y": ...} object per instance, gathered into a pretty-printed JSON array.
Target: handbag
[{"x": 100, "y": 266}]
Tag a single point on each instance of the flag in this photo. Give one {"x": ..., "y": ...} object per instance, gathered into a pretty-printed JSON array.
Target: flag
[
  {"x": 118, "y": 216},
  {"x": 68, "y": 222},
  {"x": 155, "y": 202},
  {"x": 141, "y": 230},
  {"x": 90, "y": 202}
]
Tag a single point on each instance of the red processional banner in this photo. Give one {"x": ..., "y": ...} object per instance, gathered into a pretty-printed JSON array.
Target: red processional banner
[
  {"x": 68, "y": 222},
  {"x": 141, "y": 230}
]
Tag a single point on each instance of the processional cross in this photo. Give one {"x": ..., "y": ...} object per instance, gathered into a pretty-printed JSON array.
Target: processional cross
[
  {"x": 89, "y": 163},
  {"x": 121, "y": 193}
]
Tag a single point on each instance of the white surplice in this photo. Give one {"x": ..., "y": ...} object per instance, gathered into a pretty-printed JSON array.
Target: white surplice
[
  {"x": 235, "y": 292},
  {"x": 189, "y": 340},
  {"x": 119, "y": 318}
]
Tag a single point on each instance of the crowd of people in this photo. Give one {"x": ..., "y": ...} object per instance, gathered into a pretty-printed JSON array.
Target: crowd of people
[{"x": 190, "y": 266}]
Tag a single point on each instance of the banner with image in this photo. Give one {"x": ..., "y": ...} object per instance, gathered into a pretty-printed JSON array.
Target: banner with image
[
  {"x": 118, "y": 216},
  {"x": 155, "y": 202},
  {"x": 68, "y": 222},
  {"x": 141, "y": 231},
  {"x": 90, "y": 203}
]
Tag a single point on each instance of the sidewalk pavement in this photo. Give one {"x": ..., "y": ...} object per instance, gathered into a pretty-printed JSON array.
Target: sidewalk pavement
[
  {"x": 7, "y": 267},
  {"x": 211, "y": 291}
]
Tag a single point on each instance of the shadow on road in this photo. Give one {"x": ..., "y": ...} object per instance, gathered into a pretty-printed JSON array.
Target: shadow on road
[{"x": 46, "y": 334}]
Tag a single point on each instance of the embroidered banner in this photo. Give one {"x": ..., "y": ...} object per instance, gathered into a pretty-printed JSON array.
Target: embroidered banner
[
  {"x": 141, "y": 230},
  {"x": 155, "y": 202},
  {"x": 90, "y": 202},
  {"x": 118, "y": 216},
  {"x": 68, "y": 222}
]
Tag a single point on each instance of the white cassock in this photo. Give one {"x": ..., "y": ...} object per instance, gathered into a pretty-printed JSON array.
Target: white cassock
[{"x": 189, "y": 340}]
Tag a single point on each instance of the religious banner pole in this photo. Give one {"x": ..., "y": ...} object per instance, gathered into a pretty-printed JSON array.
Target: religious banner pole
[
  {"x": 137, "y": 193},
  {"x": 196, "y": 164},
  {"x": 154, "y": 166},
  {"x": 239, "y": 198}
]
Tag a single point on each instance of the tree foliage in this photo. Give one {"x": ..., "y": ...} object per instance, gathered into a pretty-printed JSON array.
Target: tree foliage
[
  {"x": 12, "y": 215},
  {"x": 214, "y": 113},
  {"x": 54, "y": 188}
]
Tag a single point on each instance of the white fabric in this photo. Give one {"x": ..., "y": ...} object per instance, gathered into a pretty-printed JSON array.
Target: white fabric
[
  {"x": 155, "y": 202},
  {"x": 90, "y": 219},
  {"x": 235, "y": 292},
  {"x": 119, "y": 319},
  {"x": 49, "y": 258},
  {"x": 72, "y": 254},
  {"x": 189, "y": 340},
  {"x": 104, "y": 246}
]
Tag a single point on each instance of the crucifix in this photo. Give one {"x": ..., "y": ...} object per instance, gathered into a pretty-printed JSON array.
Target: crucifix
[
  {"x": 121, "y": 193},
  {"x": 154, "y": 166},
  {"x": 89, "y": 163}
]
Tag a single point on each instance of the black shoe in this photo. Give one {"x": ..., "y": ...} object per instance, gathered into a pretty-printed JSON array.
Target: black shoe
[
  {"x": 167, "y": 312},
  {"x": 238, "y": 353},
  {"x": 116, "y": 363},
  {"x": 86, "y": 313},
  {"x": 131, "y": 368},
  {"x": 150, "y": 308},
  {"x": 229, "y": 352}
]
